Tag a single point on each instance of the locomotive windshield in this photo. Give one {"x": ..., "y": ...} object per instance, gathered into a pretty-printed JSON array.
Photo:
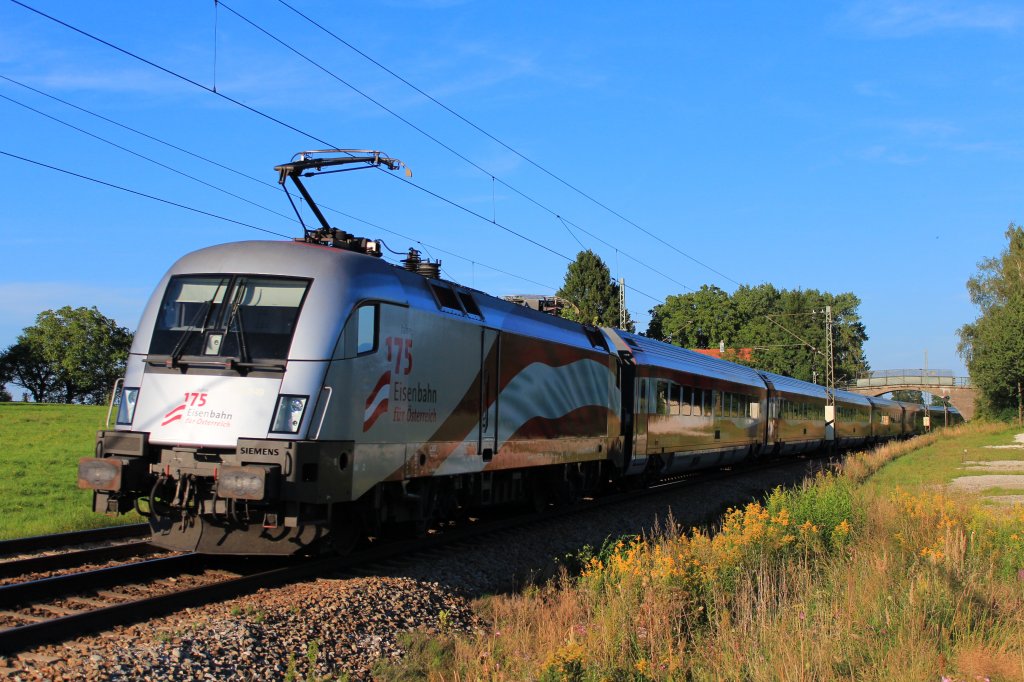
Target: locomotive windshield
[{"x": 246, "y": 317}]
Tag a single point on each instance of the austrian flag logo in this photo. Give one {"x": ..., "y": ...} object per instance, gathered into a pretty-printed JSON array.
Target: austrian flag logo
[
  {"x": 377, "y": 401},
  {"x": 174, "y": 415}
]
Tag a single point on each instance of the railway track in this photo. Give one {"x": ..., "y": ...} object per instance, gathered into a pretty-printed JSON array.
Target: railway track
[{"x": 63, "y": 607}]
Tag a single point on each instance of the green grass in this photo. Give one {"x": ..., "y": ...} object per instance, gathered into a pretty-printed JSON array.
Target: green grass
[
  {"x": 998, "y": 490},
  {"x": 943, "y": 460},
  {"x": 40, "y": 446}
]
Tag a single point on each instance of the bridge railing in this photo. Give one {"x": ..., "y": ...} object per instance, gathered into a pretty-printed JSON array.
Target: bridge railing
[{"x": 912, "y": 377}]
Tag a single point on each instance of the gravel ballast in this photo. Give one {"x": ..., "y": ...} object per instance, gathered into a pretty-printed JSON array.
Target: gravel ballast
[{"x": 344, "y": 625}]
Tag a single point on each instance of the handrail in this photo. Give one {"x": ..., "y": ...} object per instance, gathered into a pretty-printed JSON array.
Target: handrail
[
  {"x": 113, "y": 395},
  {"x": 323, "y": 412}
]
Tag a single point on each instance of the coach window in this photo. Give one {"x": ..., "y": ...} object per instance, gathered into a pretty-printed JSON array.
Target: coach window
[
  {"x": 641, "y": 396},
  {"x": 673, "y": 397},
  {"x": 662, "y": 397},
  {"x": 686, "y": 408}
]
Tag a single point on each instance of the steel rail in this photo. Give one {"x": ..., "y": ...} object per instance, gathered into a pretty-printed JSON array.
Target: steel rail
[
  {"x": 36, "y": 543},
  {"x": 54, "y": 562}
]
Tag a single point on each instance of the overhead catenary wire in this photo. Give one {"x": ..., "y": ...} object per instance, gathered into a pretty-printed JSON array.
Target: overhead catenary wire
[
  {"x": 310, "y": 135},
  {"x": 197, "y": 210},
  {"x": 273, "y": 119},
  {"x": 269, "y": 185},
  {"x": 454, "y": 152},
  {"x": 138, "y": 132},
  {"x": 504, "y": 144},
  {"x": 146, "y": 158},
  {"x": 142, "y": 194},
  {"x": 284, "y": 124}
]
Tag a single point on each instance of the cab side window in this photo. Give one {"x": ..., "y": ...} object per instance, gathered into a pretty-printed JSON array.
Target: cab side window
[
  {"x": 366, "y": 329},
  {"x": 361, "y": 333}
]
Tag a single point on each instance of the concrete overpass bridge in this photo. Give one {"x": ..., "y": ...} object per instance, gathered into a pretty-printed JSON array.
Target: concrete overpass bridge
[{"x": 941, "y": 382}]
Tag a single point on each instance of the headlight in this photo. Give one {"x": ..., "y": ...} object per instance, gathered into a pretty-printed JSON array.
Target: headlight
[
  {"x": 288, "y": 415},
  {"x": 126, "y": 410},
  {"x": 99, "y": 474},
  {"x": 242, "y": 483}
]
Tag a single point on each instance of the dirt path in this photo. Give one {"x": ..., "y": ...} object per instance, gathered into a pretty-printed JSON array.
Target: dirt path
[{"x": 1007, "y": 474}]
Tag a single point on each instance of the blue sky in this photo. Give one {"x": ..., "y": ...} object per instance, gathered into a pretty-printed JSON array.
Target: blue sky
[{"x": 872, "y": 147}]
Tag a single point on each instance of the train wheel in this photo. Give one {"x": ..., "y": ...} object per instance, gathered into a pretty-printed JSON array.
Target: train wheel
[{"x": 348, "y": 527}]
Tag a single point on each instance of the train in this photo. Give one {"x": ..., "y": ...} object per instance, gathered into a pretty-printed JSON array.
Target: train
[{"x": 288, "y": 397}]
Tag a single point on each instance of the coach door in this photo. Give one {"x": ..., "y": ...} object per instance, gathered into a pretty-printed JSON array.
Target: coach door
[
  {"x": 640, "y": 421},
  {"x": 490, "y": 347}
]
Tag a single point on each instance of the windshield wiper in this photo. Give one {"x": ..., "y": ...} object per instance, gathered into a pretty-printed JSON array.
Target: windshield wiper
[
  {"x": 200, "y": 319},
  {"x": 235, "y": 318}
]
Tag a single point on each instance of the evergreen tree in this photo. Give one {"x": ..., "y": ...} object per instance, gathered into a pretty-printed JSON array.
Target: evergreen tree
[{"x": 592, "y": 296}]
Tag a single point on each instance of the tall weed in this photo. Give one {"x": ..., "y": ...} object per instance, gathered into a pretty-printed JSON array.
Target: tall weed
[{"x": 819, "y": 582}]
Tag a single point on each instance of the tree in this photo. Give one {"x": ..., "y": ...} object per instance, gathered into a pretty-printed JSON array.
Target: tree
[
  {"x": 24, "y": 365},
  {"x": 592, "y": 296},
  {"x": 5, "y": 378},
  {"x": 907, "y": 396},
  {"x": 785, "y": 328},
  {"x": 68, "y": 355},
  {"x": 700, "y": 319},
  {"x": 992, "y": 346}
]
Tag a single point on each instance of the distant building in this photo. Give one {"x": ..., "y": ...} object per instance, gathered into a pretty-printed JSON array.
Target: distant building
[
  {"x": 546, "y": 304},
  {"x": 732, "y": 354}
]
